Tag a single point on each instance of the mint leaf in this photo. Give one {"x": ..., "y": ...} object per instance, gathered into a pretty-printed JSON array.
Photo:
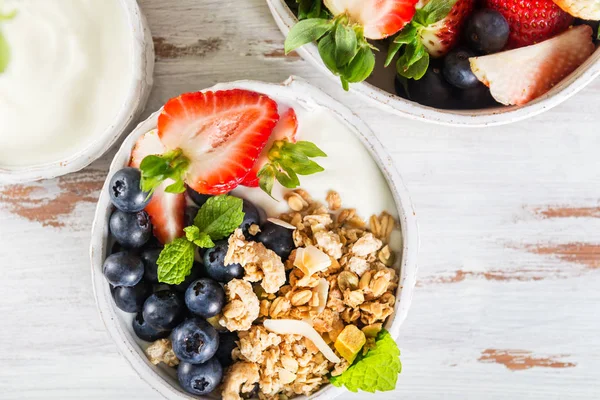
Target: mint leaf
[
  {"x": 306, "y": 31},
  {"x": 175, "y": 261},
  {"x": 220, "y": 216},
  {"x": 376, "y": 371},
  {"x": 200, "y": 239}
]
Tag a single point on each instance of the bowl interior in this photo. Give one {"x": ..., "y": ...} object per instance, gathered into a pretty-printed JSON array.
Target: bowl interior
[
  {"x": 379, "y": 90},
  {"x": 292, "y": 91},
  {"x": 138, "y": 91}
]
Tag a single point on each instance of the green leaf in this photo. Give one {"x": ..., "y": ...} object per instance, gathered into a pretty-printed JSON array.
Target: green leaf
[
  {"x": 309, "y": 149},
  {"x": 434, "y": 11},
  {"x": 309, "y": 168},
  {"x": 266, "y": 178},
  {"x": 376, "y": 371},
  {"x": 361, "y": 67},
  {"x": 416, "y": 70},
  {"x": 220, "y": 216},
  {"x": 289, "y": 179},
  {"x": 8, "y": 16},
  {"x": 346, "y": 45},
  {"x": 311, "y": 9},
  {"x": 4, "y": 53},
  {"x": 200, "y": 239},
  {"x": 156, "y": 169},
  {"x": 175, "y": 261},
  {"x": 306, "y": 31},
  {"x": 327, "y": 52},
  {"x": 406, "y": 36}
]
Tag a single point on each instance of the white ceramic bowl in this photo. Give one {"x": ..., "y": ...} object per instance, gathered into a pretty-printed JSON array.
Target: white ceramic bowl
[
  {"x": 388, "y": 102},
  {"x": 119, "y": 325},
  {"x": 140, "y": 85}
]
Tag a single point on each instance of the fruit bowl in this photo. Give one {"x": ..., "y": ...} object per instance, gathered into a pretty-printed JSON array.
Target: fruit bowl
[
  {"x": 139, "y": 83},
  {"x": 312, "y": 100},
  {"x": 379, "y": 91}
]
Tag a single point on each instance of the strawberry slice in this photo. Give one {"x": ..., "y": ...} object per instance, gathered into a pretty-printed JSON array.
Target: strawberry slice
[
  {"x": 379, "y": 18},
  {"x": 166, "y": 210},
  {"x": 531, "y": 21},
  {"x": 533, "y": 69},
  {"x": 285, "y": 129},
  {"x": 440, "y": 37},
  {"x": 220, "y": 133},
  {"x": 584, "y": 9}
]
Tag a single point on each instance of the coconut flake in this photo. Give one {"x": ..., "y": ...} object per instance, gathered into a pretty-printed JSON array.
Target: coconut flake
[
  {"x": 323, "y": 293},
  {"x": 311, "y": 260},
  {"x": 296, "y": 327},
  {"x": 282, "y": 223}
]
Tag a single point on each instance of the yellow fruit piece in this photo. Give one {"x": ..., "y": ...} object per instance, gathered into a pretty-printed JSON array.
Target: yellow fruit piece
[{"x": 349, "y": 342}]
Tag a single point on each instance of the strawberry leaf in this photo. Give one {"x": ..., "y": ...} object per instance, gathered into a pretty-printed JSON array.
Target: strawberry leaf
[
  {"x": 346, "y": 45},
  {"x": 361, "y": 66},
  {"x": 306, "y": 31},
  {"x": 289, "y": 179},
  {"x": 406, "y": 36},
  {"x": 266, "y": 178},
  {"x": 414, "y": 70},
  {"x": 311, "y": 9},
  {"x": 327, "y": 52},
  {"x": 310, "y": 149},
  {"x": 156, "y": 169},
  {"x": 434, "y": 11}
]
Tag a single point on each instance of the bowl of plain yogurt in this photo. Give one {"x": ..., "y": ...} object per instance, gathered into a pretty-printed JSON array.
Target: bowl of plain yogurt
[
  {"x": 76, "y": 74},
  {"x": 357, "y": 167}
]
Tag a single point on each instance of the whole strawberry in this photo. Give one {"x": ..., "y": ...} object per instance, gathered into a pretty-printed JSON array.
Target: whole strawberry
[{"x": 531, "y": 21}]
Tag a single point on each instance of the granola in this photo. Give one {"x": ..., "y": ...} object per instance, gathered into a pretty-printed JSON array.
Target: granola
[
  {"x": 161, "y": 351},
  {"x": 242, "y": 306}
]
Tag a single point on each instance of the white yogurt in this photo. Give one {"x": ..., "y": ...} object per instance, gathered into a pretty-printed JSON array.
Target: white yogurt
[
  {"x": 68, "y": 77},
  {"x": 349, "y": 170}
]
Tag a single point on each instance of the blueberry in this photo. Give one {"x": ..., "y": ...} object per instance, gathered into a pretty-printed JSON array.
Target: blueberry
[
  {"x": 190, "y": 214},
  {"x": 226, "y": 346},
  {"x": 195, "y": 340},
  {"x": 277, "y": 238},
  {"x": 487, "y": 31},
  {"x": 205, "y": 298},
  {"x": 214, "y": 264},
  {"x": 457, "y": 69},
  {"x": 163, "y": 310},
  {"x": 432, "y": 90},
  {"x": 131, "y": 299},
  {"x": 476, "y": 98},
  {"x": 131, "y": 230},
  {"x": 200, "y": 379},
  {"x": 195, "y": 274},
  {"x": 125, "y": 190},
  {"x": 196, "y": 197},
  {"x": 149, "y": 258},
  {"x": 145, "y": 332},
  {"x": 251, "y": 217},
  {"x": 123, "y": 269}
]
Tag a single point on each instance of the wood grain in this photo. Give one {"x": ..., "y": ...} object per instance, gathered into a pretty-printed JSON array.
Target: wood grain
[{"x": 509, "y": 230}]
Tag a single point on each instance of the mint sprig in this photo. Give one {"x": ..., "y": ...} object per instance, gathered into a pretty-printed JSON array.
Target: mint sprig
[
  {"x": 288, "y": 160},
  {"x": 375, "y": 371},
  {"x": 414, "y": 59},
  {"x": 216, "y": 219},
  {"x": 156, "y": 169},
  {"x": 342, "y": 46},
  {"x": 4, "y": 47}
]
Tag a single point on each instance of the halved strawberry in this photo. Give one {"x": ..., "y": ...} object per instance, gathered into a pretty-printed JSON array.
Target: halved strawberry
[
  {"x": 441, "y": 36},
  {"x": 519, "y": 76},
  {"x": 584, "y": 9},
  {"x": 379, "y": 18},
  {"x": 285, "y": 129},
  {"x": 531, "y": 21},
  {"x": 220, "y": 133},
  {"x": 166, "y": 210}
]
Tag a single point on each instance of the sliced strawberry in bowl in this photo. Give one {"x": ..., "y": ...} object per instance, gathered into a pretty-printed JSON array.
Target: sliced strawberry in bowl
[
  {"x": 441, "y": 36},
  {"x": 534, "y": 69},
  {"x": 531, "y": 21},
  {"x": 220, "y": 133},
  {"x": 286, "y": 129},
  {"x": 166, "y": 210}
]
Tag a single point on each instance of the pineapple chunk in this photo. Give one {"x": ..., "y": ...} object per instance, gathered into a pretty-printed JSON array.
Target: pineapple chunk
[
  {"x": 371, "y": 331},
  {"x": 349, "y": 342}
]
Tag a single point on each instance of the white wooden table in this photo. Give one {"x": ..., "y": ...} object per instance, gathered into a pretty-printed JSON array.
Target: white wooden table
[{"x": 508, "y": 304}]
